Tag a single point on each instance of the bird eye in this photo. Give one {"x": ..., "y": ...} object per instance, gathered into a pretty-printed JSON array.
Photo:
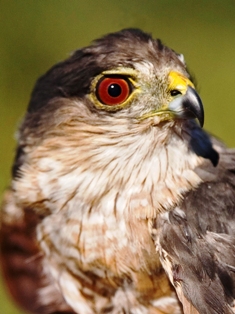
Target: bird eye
[
  {"x": 113, "y": 91},
  {"x": 175, "y": 92}
]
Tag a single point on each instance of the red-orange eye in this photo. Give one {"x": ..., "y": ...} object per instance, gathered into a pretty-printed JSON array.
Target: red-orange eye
[{"x": 113, "y": 91}]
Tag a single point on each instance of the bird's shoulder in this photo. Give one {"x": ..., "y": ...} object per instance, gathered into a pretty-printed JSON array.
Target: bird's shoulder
[{"x": 196, "y": 242}]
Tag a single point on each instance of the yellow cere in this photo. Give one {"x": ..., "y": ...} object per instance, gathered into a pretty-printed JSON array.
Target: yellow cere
[{"x": 179, "y": 82}]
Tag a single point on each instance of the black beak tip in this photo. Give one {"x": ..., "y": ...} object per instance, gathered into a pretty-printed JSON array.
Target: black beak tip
[
  {"x": 201, "y": 120},
  {"x": 193, "y": 105}
]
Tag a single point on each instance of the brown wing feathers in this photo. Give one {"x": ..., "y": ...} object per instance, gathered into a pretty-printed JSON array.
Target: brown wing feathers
[{"x": 199, "y": 238}]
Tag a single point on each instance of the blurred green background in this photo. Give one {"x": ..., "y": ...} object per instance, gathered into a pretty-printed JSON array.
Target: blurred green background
[{"x": 34, "y": 35}]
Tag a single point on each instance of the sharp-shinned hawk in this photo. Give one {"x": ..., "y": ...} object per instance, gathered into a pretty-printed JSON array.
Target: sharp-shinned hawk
[{"x": 119, "y": 202}]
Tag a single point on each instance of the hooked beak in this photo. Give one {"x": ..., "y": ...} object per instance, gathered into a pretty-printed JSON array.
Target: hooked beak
[
  {"x": 188, "y": 106},
  {"x": 185, "y": 103}
]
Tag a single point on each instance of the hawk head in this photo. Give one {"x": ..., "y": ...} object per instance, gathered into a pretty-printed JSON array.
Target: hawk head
[{"x": 120, "y": 108}]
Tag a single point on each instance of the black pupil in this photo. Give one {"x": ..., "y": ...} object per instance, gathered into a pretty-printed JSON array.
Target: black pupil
[{"x": 114, "y": 90}]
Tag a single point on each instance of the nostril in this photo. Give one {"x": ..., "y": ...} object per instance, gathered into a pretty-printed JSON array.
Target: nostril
[{"x": 175, "y": 92}]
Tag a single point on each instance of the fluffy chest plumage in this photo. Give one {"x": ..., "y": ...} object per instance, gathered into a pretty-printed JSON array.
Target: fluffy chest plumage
[{"x": 98, "y": 195}]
